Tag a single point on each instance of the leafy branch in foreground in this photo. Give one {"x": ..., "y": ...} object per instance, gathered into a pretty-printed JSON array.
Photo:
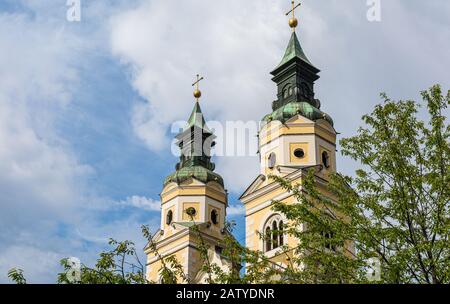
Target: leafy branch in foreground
[
  {"x": 396, "y": 208},
  {"x": 16, "y": 275},
  {"x": 120, "y": 265}
]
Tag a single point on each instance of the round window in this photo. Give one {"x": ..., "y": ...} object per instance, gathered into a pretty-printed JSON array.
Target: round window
[
  {"x": 191, "y": 211},
  {"x": 325, "y": 159},
  {"x": 299, "y": 153}
]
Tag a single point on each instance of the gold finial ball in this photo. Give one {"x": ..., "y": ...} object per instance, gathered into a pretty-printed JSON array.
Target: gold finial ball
[
  {"x": 197, "y": 93},
  {"x": 293, "y": 22}
]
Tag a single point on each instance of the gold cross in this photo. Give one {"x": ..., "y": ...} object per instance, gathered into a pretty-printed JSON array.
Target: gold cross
[
  {"x": 198, "y": 81},
  {"x": 293, "y": 9},
  {"x": 197, "y": 92},
  {"x": 293, "y": 21}
]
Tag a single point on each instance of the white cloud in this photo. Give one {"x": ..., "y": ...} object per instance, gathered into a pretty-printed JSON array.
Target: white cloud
[
  {"x": 233, "y": 210},
  {"x": 39, "y": 265},
  {"x": 47, "y": 209},
  {"x": 142, "y": 203},
  {"x": 223, "y": 42},
  {"x": 38, "y": 173},
  {"x": 238, "y": 172}
]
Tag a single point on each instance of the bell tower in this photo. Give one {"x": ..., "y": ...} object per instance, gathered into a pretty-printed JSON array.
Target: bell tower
[
  {"x": 294, "y": 137},
  {"x": 192, "y": 196},
  {"x": 294, "y": 76}
]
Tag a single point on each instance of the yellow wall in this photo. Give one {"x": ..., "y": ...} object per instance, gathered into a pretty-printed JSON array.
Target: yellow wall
[
  {"x": 186, "y": 206},
  {"x": 318, "y": 137},
  {"x": 299, "y": 161},
  {"x": 274, "y": 130},
  {"x": 178, "y": 240},
  {"x": 185, "y": 250}
]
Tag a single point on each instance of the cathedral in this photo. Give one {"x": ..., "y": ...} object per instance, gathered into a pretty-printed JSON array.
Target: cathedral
[{"x": 294, "y": 137}]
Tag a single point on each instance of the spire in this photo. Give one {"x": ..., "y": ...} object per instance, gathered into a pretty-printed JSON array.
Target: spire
[
  {"x": 293, "y": 50},
  {"x": 195, "y": 142},
  {"x": 197, "y": 119},
  {"x": 295, "y": 77}
]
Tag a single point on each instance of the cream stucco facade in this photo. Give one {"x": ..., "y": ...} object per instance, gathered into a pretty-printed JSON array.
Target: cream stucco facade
[{"x": 282, "y": 140}]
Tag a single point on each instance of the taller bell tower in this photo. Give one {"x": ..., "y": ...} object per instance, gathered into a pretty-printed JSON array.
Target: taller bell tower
[{"x": 294, "y": 137}]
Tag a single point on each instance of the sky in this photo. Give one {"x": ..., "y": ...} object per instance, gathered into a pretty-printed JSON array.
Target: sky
[{"x": 86, "y": 108}]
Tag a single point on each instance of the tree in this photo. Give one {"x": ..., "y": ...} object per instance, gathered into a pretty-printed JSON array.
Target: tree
[
  {"x": 120, "y": 265},
  {"x": 395, "y": 209}
]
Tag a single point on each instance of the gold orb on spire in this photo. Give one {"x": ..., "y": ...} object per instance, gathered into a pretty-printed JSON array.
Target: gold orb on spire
[
  {"x": 197, "y": 93},
  {"x": 293, "y": 22}
]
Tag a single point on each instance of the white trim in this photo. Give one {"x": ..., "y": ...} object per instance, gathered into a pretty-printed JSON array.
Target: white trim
[{"x": 270, "y": 187}]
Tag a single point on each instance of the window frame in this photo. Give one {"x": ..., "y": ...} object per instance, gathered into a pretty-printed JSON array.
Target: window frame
[{"x": 273, "y": 241}]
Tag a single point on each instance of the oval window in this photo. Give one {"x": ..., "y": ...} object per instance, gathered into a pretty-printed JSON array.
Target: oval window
[
  {"x": 299, "y": 153},
  {"x": 169, "y": 217},
  {"x": 214, "y": 217},
  {"x": 325, "y": 159},
  {"x": 272, "y": 160}
]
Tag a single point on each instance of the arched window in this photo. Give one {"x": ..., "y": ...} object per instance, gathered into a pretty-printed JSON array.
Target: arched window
[
  {"x": 288, "y": 90},
  {"x": 273, "y": 233},
  {"x": 169, "y": 217},
  {"x": 268, "y": 239}
]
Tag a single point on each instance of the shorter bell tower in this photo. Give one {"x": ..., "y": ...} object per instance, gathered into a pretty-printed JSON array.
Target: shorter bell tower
[{"x": 193, "y": 196}]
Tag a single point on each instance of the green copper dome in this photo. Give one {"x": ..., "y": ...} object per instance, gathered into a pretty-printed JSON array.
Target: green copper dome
[
  {"x": 198, "y": 172},
  {"x": 291, "y": 109}
]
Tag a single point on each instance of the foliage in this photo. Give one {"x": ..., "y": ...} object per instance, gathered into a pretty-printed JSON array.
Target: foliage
[
  {"x": 16, "y": 275},
  {"x": 120, "y": 265},
  {"x": 396, "y": 208}
]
